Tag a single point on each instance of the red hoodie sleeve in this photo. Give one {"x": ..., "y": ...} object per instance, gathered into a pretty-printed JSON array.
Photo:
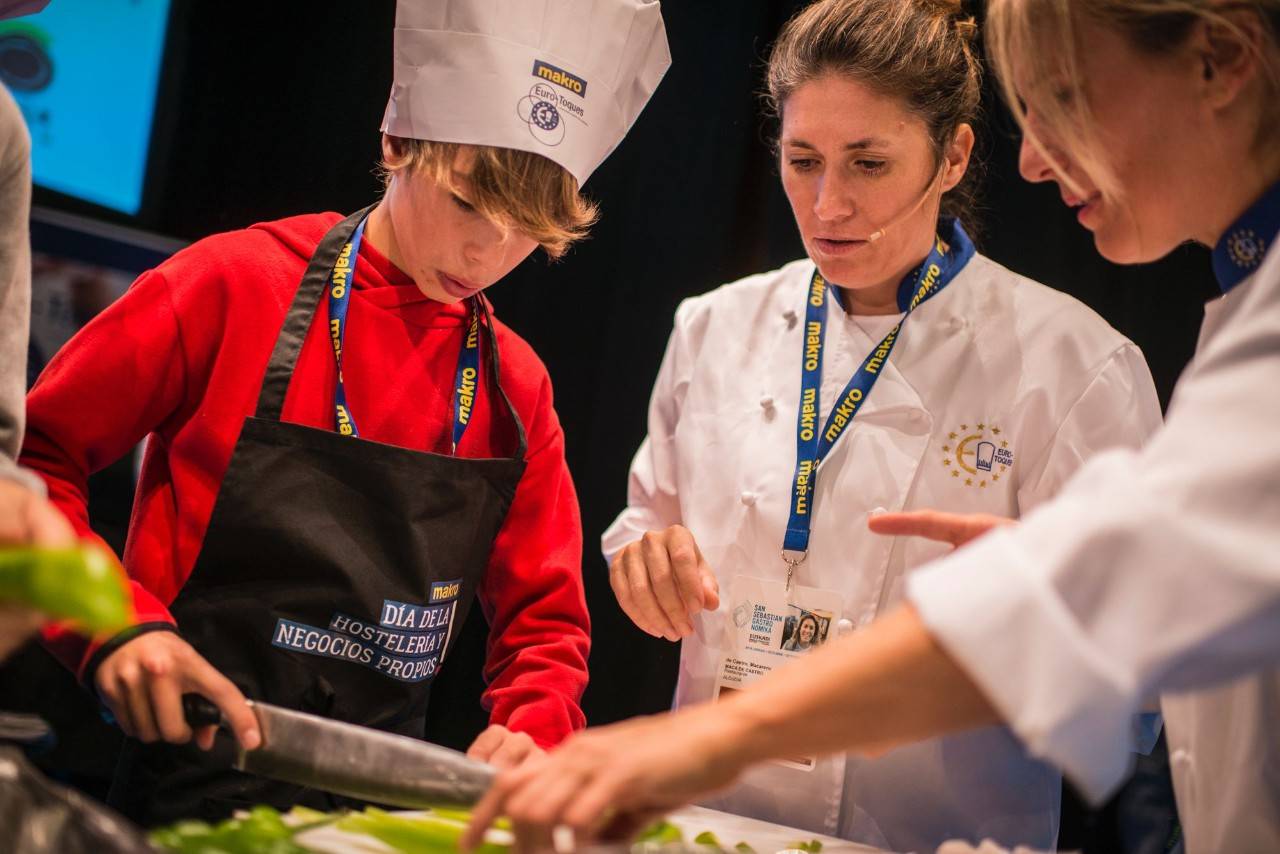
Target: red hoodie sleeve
[
  {"x": 110, "y": 386},
  {"x": 532, "y": 594}
]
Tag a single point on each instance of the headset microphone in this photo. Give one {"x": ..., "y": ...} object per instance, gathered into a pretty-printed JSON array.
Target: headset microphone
[{"x": 902, "y": 217}]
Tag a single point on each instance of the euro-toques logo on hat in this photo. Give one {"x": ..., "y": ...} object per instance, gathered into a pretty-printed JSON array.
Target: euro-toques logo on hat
[
  {"x": 545, "y": 108},
  {"x": 461, "y": 66}
]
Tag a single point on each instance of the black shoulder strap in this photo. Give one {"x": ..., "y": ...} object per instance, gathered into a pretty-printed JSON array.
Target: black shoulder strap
[
  {"x": 275, "y": 382},
  {"x": 486, "y": 320}
]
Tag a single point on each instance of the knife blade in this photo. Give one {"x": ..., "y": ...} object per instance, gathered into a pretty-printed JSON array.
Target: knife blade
[{"x": 355, "y": 761}]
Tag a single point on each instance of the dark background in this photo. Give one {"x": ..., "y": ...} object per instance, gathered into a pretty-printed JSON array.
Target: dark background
[{"x": 269, "y": 109}]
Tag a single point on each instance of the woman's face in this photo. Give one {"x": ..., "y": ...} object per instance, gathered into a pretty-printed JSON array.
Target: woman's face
[
  {"x": 807, "y": 630},
  {"x": 1153, "y": 134},
  {"x": 853, "y": 162},
  {"x": 449, "y": 249}
]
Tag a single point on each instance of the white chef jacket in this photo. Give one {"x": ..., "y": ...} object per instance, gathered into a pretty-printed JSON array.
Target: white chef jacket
[
  {"x": 995, "y": 358},
  {"x": 1153, "y": 570}
]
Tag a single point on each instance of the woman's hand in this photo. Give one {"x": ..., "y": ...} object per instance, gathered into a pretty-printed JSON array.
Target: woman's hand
[
  {"x": 662, "y": 582},
  {"x": 954, "y": 528},
  {"x": 143, "y": 681},
  {"x": 26, "y": 518},
  {"x": 502, "y": 748},
  {"x": 611, "y": 781}
]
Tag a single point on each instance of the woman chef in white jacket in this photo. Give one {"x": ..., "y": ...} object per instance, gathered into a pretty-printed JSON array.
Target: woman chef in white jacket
[
  {"x": 1152, "y": 570},
  {"x": 993, "y": 393}
]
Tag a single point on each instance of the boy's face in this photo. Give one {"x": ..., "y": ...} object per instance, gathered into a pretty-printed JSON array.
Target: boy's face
[{"x": 449, "y": 249}]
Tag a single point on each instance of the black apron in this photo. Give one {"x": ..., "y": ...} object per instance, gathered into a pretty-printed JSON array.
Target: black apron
[{"x": 335, "y": 575}]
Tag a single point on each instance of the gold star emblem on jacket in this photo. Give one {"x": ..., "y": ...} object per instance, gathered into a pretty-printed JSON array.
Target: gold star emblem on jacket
[{"x": 979, "y": 453}]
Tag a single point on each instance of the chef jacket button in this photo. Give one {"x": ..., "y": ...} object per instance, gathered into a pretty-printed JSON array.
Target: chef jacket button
[
  {"x": 748, "y": 498},
  {"x": 959, "y": 324},
  {"x": 766, "y": 401},
  {"x": 790, "y": 317},
  {"x": 876, "y": 511}
]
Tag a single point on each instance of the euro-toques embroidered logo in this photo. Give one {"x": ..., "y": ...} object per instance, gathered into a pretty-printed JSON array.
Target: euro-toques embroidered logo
[
  {"x": 545, "y": 111},
  {"x": 1246, "y": 248},
  {"x": 977, "y": 455}
]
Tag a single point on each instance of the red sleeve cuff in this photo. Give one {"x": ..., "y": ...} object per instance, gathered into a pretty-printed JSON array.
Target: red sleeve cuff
[
  {"x": 75, "y": 650},
  {"x": 548, "y": 718}
]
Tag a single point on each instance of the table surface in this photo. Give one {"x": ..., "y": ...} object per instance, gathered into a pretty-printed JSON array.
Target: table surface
[{"x": 764, "y": 837}]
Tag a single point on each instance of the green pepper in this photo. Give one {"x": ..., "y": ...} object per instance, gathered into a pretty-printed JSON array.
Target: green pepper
[
  {"x": 262, "y": 831},
  {"x": 660, "y": 833},
  {"x": 706, "y": 837},
  {"x": 82, "y": 584},
  {"x": 417, "y": 835},
  {"x": 306, "y": 815},
  {"x": 464, "y": 816},
  {"x": 744, "y": 848}
]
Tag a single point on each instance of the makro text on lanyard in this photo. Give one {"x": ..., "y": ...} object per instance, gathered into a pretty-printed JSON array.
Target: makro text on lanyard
[
  {"x": 812, "y": 446},
  {"x": 466, "y": 381}
]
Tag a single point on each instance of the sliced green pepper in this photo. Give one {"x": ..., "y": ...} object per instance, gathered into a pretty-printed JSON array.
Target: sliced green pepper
[
  {"x": 263, "y": 831},
  {"x": 660, "y": 833},
  {"x": 82, "y": 584},
  {"x": 417, "y": 835},
  {"x": 464, "y": 816}
]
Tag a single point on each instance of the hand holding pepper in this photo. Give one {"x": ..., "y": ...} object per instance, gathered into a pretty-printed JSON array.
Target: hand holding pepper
[{"x": 26, "y": 518}]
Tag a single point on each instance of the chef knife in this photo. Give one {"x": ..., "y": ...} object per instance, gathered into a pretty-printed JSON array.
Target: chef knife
[{"x": 352, "y": 760}]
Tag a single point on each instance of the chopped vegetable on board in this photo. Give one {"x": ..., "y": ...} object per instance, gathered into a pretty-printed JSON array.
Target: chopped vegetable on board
[{"x": 262, "y": 831}]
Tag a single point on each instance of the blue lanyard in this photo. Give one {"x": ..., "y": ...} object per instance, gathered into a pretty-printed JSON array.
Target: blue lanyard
[
  {"x": 945, "y": 260},
  {"x": 466, "y": 384},
  {"x": 341, "y": 281}
]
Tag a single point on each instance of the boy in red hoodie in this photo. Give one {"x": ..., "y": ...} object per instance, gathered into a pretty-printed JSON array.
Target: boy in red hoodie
[{"x": 344, "y": 447}]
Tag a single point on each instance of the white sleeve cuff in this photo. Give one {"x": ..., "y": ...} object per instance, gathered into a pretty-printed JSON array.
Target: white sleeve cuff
[{"x": 992, "y": 609}]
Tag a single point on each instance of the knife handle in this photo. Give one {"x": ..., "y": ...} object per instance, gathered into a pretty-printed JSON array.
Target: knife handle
[{"x": 200, "y": 712}]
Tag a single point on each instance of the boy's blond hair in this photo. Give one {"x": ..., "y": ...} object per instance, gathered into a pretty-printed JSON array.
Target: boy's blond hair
[{"x": 513, "y": 189}]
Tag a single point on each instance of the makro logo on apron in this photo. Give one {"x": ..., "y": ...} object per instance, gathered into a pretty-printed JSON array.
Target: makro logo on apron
[{"x": 407, "y": 642}]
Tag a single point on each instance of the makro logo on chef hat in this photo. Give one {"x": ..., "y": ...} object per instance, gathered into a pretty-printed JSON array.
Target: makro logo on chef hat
[{"x": 544, "y": 108}]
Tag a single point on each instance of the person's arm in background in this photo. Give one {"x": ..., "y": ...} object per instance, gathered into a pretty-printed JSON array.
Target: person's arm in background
[
  {"x": 533, "y": 599},
  {"x": 25, "y": 516},
  {"x": 656, "y": 570},
  {"x": 15, "y": 285}
]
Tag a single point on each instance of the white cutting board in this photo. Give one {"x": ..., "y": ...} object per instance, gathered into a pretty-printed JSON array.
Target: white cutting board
[{"x": 764, "y": 837}]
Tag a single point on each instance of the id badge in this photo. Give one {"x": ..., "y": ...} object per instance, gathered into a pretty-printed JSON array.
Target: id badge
[{"x": 769, "y": 627}]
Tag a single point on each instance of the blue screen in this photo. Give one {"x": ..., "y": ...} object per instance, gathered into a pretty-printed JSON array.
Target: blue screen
[{"x": 84, "y": 73}]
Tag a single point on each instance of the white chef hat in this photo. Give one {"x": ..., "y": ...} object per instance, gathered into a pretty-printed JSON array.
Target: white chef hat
[{"x": 562, "y": 78}]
